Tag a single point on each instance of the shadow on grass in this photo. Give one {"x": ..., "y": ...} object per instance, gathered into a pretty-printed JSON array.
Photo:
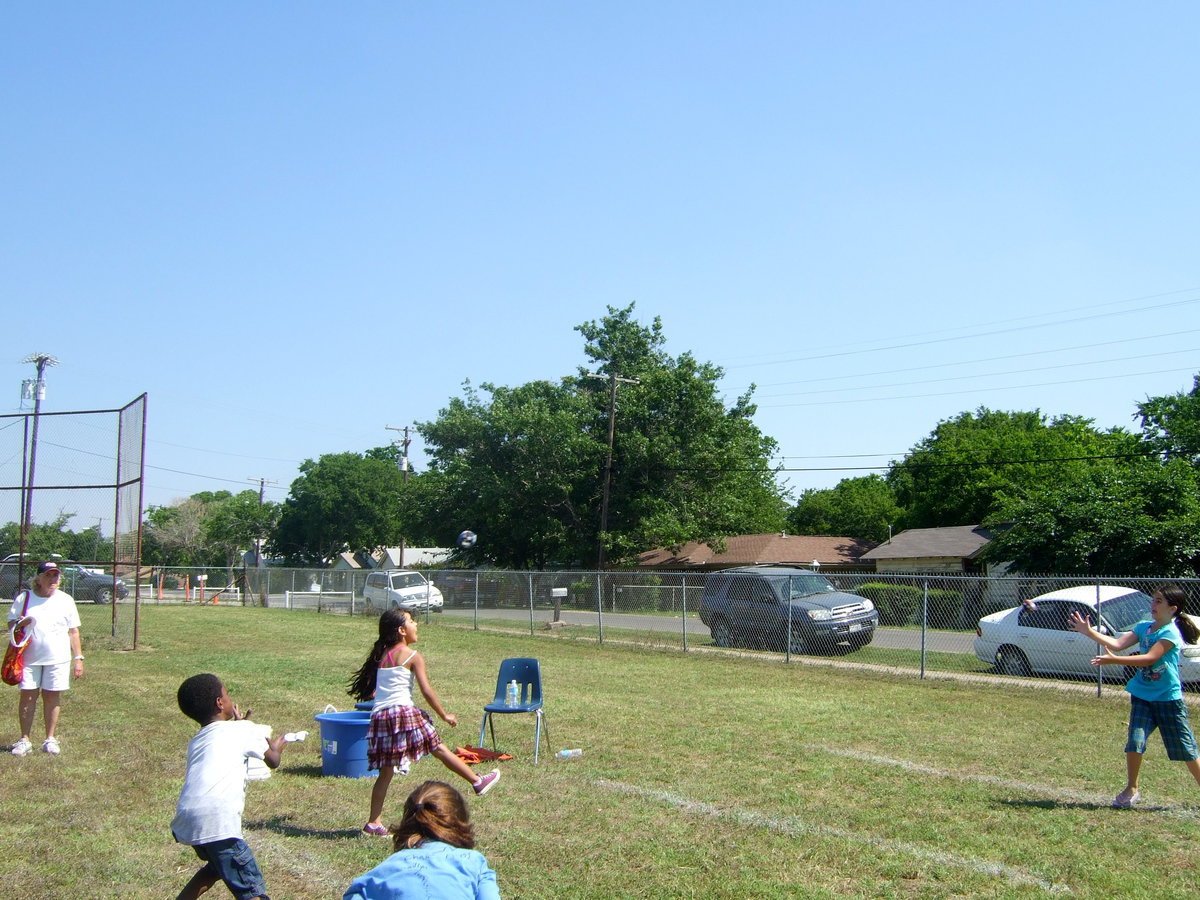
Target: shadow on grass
[
  {"x": 281, "y": 825},
  {"x": 1054, "y": 804},
  {"x": 314, "y": 771}
]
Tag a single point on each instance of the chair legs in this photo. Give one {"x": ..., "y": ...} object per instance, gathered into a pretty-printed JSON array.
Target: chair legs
[{"x": 539, "y": 717}]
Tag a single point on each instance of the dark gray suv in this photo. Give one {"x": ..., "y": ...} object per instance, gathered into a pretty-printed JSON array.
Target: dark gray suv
[{"x": 760, "y": 606}]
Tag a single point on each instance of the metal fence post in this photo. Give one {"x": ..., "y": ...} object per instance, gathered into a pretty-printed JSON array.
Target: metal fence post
[
  {"x": 530, "y": 576},
  {"x": 787, "y": 635},
  {"x": 683, "y": 607},
  {"x": 924, "y": 621},
  {"x": 600, "y": 606},
  {"x": 1099, "y": 669}
]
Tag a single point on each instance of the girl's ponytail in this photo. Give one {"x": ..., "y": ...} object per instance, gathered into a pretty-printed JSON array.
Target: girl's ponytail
[
  {"x": 1177, "y": 597},
  {"x": 362, "y": 684}
]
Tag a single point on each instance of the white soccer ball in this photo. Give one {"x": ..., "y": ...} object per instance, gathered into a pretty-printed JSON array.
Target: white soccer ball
[{"x": 467, "y": 539}]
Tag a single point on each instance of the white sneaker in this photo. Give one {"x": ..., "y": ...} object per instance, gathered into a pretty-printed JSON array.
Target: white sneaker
[
  {"x": 22, "y": 747},
  {"x": 50, "y": 745}
]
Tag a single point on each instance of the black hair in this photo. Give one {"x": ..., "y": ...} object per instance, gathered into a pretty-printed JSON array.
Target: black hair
[
  {"x": 1176, "y": 596},
  {"x": 434, "y": 811},
  {"x": 391, "y": 623},
  {"x": 198, "y": 697}
]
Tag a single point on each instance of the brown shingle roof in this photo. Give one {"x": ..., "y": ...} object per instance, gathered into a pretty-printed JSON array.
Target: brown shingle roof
[
  {"x": 961, "y": 541},
  {"x": 756, "y": 549}
]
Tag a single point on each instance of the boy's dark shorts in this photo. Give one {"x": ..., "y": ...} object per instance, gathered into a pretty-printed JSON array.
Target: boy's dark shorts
[
  {"x": 1170, "y": 717},
  {"x": 233, "y": 862}
]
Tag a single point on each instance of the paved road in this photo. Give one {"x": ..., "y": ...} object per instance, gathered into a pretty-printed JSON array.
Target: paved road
[{"x": 885, "y": 638}]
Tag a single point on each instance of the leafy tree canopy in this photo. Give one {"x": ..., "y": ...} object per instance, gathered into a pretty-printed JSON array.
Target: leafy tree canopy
[
  {"x": 855, "y": 507},
  {"x": 1138, "y": 517},
  {"x": 53, "y": 538},
  {"x": 524, "y": 467},
  {"x": 956, "y": 475},
  {"x": 1171, "y": 424},
  {"x": 342, "y": 501}
]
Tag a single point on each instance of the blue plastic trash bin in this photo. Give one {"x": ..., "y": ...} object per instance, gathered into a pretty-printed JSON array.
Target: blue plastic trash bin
[{"x": 344, "y": 743}]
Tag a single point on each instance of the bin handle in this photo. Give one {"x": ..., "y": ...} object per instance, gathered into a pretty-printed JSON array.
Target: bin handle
[{"x": 329, "y": 707}]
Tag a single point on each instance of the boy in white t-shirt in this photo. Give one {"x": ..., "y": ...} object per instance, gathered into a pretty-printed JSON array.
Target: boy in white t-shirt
[{"x": 219, "y": 760}]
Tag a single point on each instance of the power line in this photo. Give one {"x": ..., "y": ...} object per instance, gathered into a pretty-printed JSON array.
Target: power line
[{"x": 983, "y": 359}]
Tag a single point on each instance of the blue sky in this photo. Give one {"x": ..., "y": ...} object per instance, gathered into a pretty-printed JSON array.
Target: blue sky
[{"x": 296, "y": 224}]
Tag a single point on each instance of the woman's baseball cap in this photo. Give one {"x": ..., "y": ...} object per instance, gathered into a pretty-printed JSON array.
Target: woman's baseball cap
[{"x": 48, "y": 566}]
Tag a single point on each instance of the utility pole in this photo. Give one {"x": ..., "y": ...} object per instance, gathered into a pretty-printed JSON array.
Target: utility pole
[
  {"x": 262, "y": 487},
  {"x": 38, "y": 388},
  {"x": 613, "y": 379},
  {"x": 404, "y": 442}
]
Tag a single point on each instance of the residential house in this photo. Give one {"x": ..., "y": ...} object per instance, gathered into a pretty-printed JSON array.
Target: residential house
[{"x": 830, "y": 554}]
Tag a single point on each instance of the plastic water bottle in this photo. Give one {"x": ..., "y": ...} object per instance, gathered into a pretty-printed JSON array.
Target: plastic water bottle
[
  {"x": 569, "y": 754},
  {"x": 512, "y": 696}
]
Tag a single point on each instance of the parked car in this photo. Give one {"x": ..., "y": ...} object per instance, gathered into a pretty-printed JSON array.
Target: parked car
[
  {"x": 1036, "y": 637},
  {"x": 402, "y": 589},
  {"x": 91, "y": 585},
  {"x": 10, "y": 585},
  {"x": 750, "y": 605},
  {"x": 85, "y": 585}
]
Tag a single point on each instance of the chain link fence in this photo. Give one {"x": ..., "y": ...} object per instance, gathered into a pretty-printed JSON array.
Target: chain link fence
[{"x": 926, "y": 625}]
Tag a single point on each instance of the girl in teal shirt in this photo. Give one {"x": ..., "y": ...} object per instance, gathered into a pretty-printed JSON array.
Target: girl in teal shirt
[{"x": 1156, "y": 695}]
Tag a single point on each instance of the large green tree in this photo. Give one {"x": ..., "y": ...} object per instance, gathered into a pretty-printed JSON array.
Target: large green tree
[
  {"x": 1135, "y": 514},
  {"x": 525, "y": 467},
  {"x": 957, "y": 475},
  {"x": 1171, "y": 423},
  {"x": 209, "y": 528},
  {"x": 1130, "y": 517},
  {"x": 855, "y": 507},
  {"x": 47, "y": 539},
  {"x": 342, "y": 501}
]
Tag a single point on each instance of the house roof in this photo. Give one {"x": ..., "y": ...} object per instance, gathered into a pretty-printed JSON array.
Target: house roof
[
  {"x": 957, "y": 541},
  {"x": 757, "y": 549},
  {"x": 390, "y": 558}
]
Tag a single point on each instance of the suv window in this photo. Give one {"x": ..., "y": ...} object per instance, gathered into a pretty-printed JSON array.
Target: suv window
[{"x": 805, "y": 585}]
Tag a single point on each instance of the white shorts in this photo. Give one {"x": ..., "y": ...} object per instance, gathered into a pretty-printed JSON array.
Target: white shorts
[{"x": 46, "y": 678}]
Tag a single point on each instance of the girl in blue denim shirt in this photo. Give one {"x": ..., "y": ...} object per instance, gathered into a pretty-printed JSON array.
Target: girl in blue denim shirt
[{"x": 434, "y": 855}]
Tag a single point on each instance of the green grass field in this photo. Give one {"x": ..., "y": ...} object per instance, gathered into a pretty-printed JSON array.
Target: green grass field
[{"x": 703, "y": 775}]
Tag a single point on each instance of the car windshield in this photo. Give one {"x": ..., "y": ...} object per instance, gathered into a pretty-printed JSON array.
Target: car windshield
[
  {"x": 407, "y": 579},
  {"x": 1127, "y": 610},
  {"x": 805, "y": 585}
]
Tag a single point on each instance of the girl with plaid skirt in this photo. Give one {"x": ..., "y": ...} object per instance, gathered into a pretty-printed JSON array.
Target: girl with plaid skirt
[{"x": 401, "y": 733}]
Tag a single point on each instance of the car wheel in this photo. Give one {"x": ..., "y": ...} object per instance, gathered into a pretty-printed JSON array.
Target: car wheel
[
  {"x": 858, "y": 641},
  {"x": 721, "y": 634},
  {"x": 797, "y": 644},
  {"x": 103, "y": 596},
  {"x": 1011, "y": 661}
]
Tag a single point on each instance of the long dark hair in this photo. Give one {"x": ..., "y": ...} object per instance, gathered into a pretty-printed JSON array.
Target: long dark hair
[
  {"x": 1177, "y": 597},
  {"x": 391, "y": 624},
  {"x": 434, "y": 812}
]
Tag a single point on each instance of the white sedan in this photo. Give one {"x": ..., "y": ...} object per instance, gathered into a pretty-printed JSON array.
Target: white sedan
[{"x": 1036, "y": 638}]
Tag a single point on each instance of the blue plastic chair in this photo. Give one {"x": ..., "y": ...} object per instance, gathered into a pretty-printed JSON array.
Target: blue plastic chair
[{"x": 528, "y": 674}]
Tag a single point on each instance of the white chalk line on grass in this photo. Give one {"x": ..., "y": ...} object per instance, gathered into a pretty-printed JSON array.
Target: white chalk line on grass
[
  {"x": 793, "y": 825},
  {"x": 1008, "y": 784}
]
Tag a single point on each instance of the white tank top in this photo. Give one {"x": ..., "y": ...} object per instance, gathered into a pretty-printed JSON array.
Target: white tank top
[{"x": 393, "y": 685}]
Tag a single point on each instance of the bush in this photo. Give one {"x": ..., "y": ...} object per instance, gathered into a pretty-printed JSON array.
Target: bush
[
  {"x": 897, "y": 603},
  {"x": 900, "y": 604}
]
